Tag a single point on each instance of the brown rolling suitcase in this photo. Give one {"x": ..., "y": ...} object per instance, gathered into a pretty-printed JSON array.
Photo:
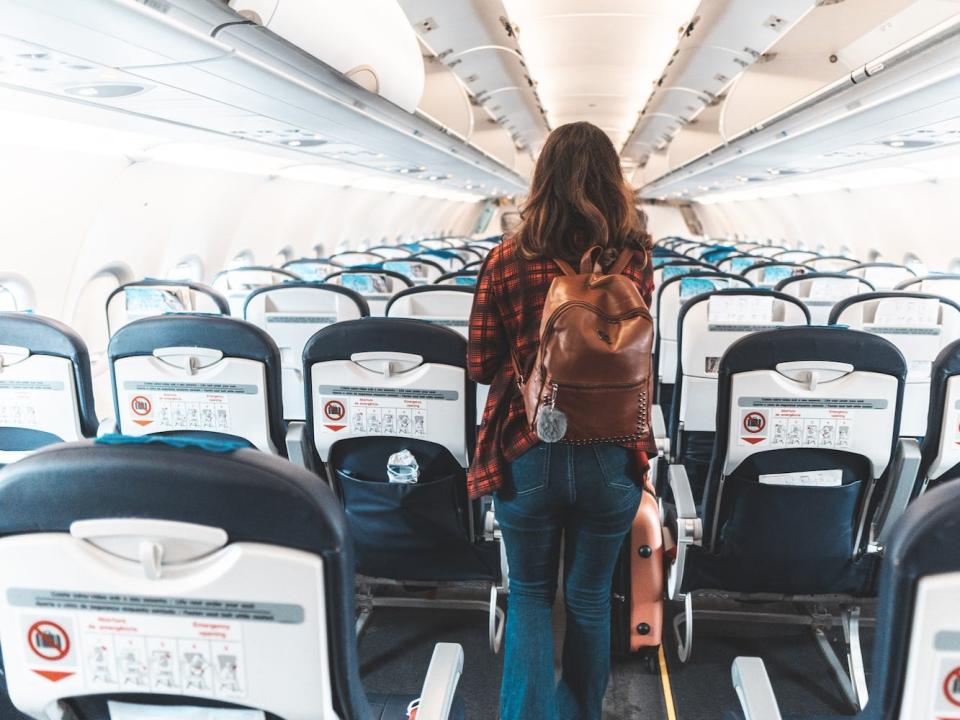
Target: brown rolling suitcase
[{"x": 636, "y": 621}]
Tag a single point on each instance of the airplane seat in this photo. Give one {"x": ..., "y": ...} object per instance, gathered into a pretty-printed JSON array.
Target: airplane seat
[
  {"x": 449, "y": 260},
  {"x": 916, "y": 666},
  {"x": 155, "y": 576},
  {"x": 235, "y": 284},
  {"x": 46, "y": 390},
  {"x": 831, "y": 263},
  {"x": 419, "y": 270},
  {"x": 379, "y": 386},
  {"x": 310, "y": 269},
  {"x": 679, "y": 284},
  {"x": 920, "y": 325},
  {"x": 737, "y": 263},
  {"x": 805, "y": 461},
  {"x": 945, "y": 285},
  {"x": 392, "y": 252},
  {"x": 671, "y": 268},
  {"x": 355, "y": 258},
  {"x": 464, "y": 278},
  {"x": 707, "y": 325},
  {"x": 769, "y": 273},
  {"x": 375, "y": 285},
  {"x": 198, "y": 376},
  {"x": 821, "y": 291},
  {"x": 447, "y": 305},
  {"x": 883, "y": 276},
  {"x": 291, "y": 313},
  {"x": 149, "y": 297},
  {"x": 940, "y": 447}
]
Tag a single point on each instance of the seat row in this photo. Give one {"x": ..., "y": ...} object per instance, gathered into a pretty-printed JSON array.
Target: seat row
[{"x": 154, "y": 579}]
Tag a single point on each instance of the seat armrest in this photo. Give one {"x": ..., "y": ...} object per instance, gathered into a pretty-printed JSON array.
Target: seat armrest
[
  {"x": 440, "y": 685},
  {"x": 107, "y": 426},
  {"x": 682, "y": 494},
  {"x": 689, "y": 529},
  {"x": 754, "y": 691},
  {"x": 901, "y": 488},
  {"x": 296, "y": 443},
  {"x": 659, "y": 426}
]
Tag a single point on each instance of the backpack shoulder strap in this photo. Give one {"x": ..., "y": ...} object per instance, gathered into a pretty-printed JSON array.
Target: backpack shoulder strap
[
  {"x": 626, "y": 255},
  {"x": 564, "y": 266}
]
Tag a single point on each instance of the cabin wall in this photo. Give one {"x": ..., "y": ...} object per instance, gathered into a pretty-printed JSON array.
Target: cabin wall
[
  {"x": 665, "y": 220},
  {"x": 139, "y": 220},
  {"x": 920, "y": 218}
]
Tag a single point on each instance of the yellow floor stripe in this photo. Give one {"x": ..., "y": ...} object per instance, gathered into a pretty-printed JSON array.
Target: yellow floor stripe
[{"x": 667, "y": 689}]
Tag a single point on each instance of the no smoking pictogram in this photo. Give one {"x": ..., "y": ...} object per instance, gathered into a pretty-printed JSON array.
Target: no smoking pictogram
[{"x": 48, "y": 640}]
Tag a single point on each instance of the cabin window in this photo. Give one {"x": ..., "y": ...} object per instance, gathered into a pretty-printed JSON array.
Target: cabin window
[
  {"x": 284, "y": 256},
  {"x": 15, "y": 293},
  {"x": 89, "y": 319},
  {"x": 189, "y": 269},
  {"x": 244, "y": 258}
]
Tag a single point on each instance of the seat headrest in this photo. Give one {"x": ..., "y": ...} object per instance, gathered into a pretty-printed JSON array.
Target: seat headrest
[
  {"x": 434, "y": 343},
  {"x": 765, "y": 350},
  {"x": 235, "y": 338},
  {"x": 42, "y": 335},
  {"x": 923, "y": 543},
  {"x": 252, "y": 495},
  {"x": 45, "y": 336}
]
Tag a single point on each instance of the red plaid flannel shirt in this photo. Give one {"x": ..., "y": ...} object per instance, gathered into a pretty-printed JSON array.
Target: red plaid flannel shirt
[{"x": 507, "y": 308}]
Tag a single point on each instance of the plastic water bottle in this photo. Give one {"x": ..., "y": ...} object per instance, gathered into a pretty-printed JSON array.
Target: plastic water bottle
[{"x": 402, "y": 467}]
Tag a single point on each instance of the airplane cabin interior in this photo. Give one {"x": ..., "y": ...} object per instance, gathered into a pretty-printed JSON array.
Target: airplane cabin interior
[{"x": 242, "y": 247}]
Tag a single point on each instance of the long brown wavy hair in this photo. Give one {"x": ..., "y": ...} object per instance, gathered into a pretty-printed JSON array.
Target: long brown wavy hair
[{"x": 579, "y": 198}]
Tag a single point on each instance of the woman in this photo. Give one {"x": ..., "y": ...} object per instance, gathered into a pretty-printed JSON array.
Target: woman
[{"x": 585, "y": 496}]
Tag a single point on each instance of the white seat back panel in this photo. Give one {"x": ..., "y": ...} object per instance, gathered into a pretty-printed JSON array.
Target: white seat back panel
[
  {"x": 243, "y": 625},
  {"x": 932, "y": 683},
  {"x": 39, "y": 393},
  {"x": 425, "y": 403},
  {"x": 948, "y": 454},
  {"x": 291, "y": 316},
  {"x": 854, "y": 413},
  {"x": 227, "y": 397},
  {"x": 450, "y": 309}
]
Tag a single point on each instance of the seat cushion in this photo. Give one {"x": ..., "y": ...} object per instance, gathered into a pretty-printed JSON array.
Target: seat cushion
[{"x": 394, "y": 707}]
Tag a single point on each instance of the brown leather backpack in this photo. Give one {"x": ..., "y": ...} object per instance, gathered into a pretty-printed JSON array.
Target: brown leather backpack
[{"x": 594, "y": 360}]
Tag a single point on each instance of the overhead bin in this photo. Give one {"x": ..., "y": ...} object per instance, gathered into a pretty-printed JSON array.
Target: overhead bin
[
  {"x": 445, "y": 100},
  {"x": 897, "y": 102},
  {"x": 247, "y": 84},
  {"x": 369, "y": 41}
]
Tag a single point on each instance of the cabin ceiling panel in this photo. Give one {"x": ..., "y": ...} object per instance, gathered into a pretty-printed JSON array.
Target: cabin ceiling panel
[{"x": 597, "y": 62}]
